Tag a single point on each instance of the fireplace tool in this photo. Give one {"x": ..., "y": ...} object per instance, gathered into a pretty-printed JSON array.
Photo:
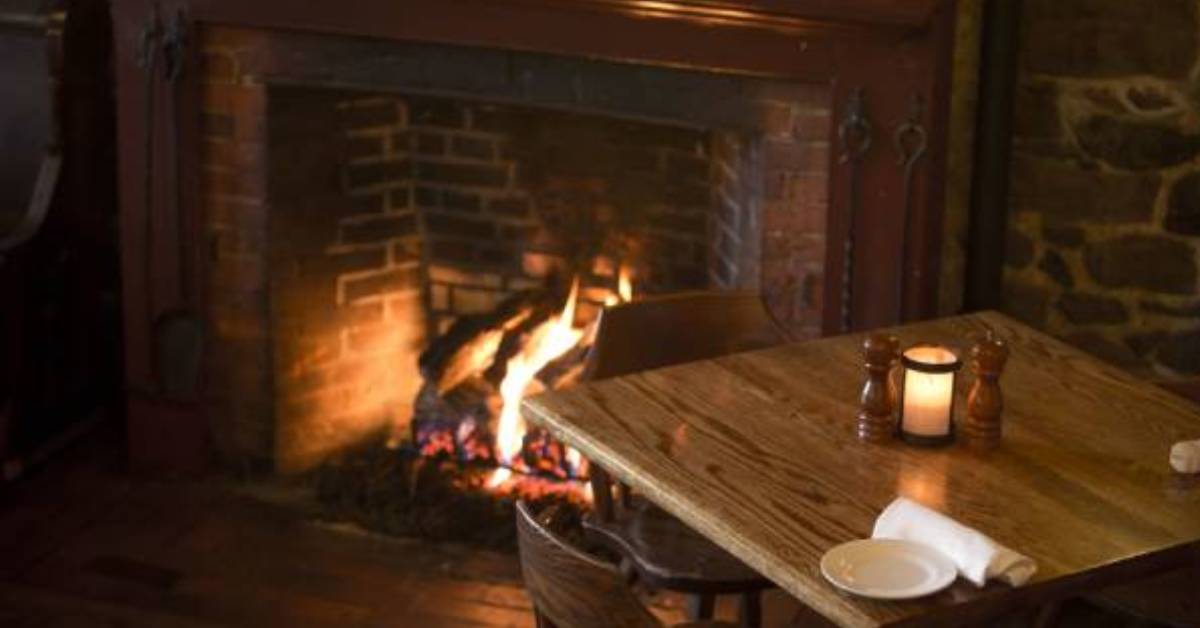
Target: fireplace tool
[
  {"x": 911, "y": 141},
  {"x": 177, "y": 332},
  {"x": 855, "y": 136}
]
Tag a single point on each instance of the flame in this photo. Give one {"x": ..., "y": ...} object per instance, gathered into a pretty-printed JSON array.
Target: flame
[
  {"x": 574, "y": 456},
  {"x": 625, "y": 285},
  {"x": 624, "y": 293},
  {"x": 500, "y": 475},
  {"x": 547, "y": 342},
  {"x": 579, "y": 465}
]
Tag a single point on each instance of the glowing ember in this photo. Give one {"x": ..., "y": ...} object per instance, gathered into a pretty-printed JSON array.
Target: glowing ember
[{"x": 546, "y": 342}]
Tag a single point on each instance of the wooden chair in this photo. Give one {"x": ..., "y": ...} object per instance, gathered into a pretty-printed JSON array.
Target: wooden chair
[
  {"x": 571, "y": 589},
  {"x": 655, "y": 333}
]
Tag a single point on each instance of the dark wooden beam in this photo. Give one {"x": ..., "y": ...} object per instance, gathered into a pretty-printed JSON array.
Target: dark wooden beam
[{"x": 993, "y": 154}]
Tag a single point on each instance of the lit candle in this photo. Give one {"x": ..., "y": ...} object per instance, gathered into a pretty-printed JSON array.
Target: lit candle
[{"x": 928, "y": 399}]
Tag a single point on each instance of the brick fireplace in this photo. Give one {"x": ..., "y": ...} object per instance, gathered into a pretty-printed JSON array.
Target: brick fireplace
[
  {"x": 355, "y": 195},
  {"x": 370, "y": 217}
]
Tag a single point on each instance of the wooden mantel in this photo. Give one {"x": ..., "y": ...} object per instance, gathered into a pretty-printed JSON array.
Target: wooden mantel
[
  {"x": 789, "y": 38},
  {"x": 384, "y": 17},
  {"x": 897, "y": 51}
]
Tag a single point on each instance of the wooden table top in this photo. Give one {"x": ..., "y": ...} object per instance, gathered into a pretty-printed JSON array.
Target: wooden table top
[{"x": 758, "y": 452}]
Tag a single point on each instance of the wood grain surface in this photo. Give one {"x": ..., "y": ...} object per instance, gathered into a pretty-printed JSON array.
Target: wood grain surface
[{"x": 758, "y": 451}]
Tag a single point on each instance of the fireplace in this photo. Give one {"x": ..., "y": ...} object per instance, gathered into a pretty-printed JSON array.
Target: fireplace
[
  {"x": 389, "y": 215},
  {"x": 362, "y": 183}
]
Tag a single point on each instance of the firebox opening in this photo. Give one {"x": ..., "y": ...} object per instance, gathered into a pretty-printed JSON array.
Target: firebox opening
[
  {"x": 400, "y": 215},
  {"x": 396, "y": 211}
]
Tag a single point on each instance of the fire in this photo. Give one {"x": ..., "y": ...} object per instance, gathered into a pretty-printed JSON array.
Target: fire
[
  {"x": 625, "y": 285},
  {"x": 575, "y": 459},
  {"x": 547, "y": 342},
  {"x": 624, "y": 293}
]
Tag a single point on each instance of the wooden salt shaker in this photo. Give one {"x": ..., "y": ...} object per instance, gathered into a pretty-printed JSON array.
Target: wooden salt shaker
[
  {"x": 985, "y": 403},
  {"x": 876, "y": 414}
]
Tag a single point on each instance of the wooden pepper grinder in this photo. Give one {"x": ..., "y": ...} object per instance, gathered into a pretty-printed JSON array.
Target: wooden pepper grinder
[
  {"x": 876, "y": 414},
  {"x": 985, "y": 404}
]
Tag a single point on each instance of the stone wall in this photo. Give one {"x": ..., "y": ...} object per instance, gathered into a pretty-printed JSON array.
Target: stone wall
[{"x": 1105, "y": 210}]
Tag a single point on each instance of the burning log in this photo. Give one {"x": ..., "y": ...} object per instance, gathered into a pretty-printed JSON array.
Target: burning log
[
  {"x": 460, "y": 407},
  {"x": 477, "y": 373},
  {"x": 471, "y": 456},
  {"x": 565, "y": 370},
  {"x": 471, "y": 344}
]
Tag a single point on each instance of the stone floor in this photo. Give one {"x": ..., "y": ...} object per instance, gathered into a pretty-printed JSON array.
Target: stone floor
[{"x": 84, "y": 544}]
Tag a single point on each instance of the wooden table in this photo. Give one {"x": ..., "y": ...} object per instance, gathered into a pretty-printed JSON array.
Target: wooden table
[{"x": 758, "y": 452}]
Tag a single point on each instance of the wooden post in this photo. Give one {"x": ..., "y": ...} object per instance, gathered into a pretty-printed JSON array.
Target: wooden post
[
  {"x": 985, "y": 403},
  {"x": 877, "y": 411}
]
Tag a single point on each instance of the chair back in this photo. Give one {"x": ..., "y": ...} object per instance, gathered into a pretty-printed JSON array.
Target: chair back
[
  {"x": 678, "y": 328},
  {"x": 570, "y": 588}
]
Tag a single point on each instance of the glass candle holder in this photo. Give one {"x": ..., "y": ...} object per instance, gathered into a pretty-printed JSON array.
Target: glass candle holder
[{"x": 927, "y": 394}]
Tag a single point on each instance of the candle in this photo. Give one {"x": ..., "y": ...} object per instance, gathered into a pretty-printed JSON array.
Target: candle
[{"x": 928, "y": 399}]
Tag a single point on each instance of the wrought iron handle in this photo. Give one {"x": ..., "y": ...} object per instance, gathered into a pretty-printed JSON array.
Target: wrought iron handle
[{"x": 911, "y": 138}]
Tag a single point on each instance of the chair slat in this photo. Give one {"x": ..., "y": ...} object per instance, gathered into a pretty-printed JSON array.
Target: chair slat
[{"x": 570, "y": 588}]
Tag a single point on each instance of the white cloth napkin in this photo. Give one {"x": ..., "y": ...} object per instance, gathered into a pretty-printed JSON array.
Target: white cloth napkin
[
  {"x": 977, "y": 557},
  {"x": 1185, "y": 456}
]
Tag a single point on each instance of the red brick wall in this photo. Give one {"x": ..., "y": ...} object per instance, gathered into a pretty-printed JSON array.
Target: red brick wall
[
  {"x": 345, "y": 273},
  {"x": 239, "y": 368},
  {"x": 795, "y": 204}
]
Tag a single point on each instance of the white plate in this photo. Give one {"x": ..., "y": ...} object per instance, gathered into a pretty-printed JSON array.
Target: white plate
[{"x": 887, "y": 569}]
